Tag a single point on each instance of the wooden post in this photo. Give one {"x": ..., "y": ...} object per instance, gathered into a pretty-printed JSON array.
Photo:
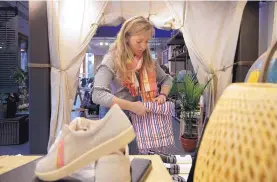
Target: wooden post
[{"x": 39, "y": 78}]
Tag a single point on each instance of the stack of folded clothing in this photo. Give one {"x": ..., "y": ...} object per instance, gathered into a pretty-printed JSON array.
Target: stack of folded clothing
[{"x": 178, "y": 166}]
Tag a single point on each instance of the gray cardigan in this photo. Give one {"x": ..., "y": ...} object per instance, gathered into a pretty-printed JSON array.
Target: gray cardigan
[{"x": 107, "y": 83}]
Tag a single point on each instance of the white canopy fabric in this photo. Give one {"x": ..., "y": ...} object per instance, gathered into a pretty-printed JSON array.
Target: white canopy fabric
[
  {"x": 70, "y": 29},
  {"x": 116, "y": 12},
  {"x": 210, "y": 31}
]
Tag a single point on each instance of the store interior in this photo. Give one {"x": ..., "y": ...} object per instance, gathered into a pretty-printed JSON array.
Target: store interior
[
  {"x": 167, "y": 49},
  {"x": 223, "y": 95}
]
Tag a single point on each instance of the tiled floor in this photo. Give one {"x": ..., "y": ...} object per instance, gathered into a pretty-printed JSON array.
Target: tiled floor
[{"x": 15, "y": 149}]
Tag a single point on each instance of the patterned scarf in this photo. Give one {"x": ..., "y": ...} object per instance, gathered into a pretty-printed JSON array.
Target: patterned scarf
[{"x": 146, "y": 86}]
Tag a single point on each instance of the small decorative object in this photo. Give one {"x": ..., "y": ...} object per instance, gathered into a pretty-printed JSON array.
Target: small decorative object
[
  {"x": 254, "y": 71},
  {"x": 177, "y": 51},
  {"x": 184, "y": 48}
]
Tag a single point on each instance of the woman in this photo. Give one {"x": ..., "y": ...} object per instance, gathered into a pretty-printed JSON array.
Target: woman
[{"x": 127, "y": 74}]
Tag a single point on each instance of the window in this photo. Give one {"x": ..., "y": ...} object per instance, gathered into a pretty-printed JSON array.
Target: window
[{"x": 22, "y": 51}]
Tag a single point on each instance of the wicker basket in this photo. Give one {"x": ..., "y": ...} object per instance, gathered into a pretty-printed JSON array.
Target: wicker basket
[{"x": 14, "y": 131}]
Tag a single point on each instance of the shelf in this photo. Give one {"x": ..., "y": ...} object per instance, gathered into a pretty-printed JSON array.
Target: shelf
[
  {"x": 177, "y": 39},
  {"x": 180, "y": 57}
]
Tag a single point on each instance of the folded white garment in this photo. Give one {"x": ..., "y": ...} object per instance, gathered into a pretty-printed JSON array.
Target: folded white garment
[
  {"x": 183, "y": 159},
  {"x": 185, "y": 168}
]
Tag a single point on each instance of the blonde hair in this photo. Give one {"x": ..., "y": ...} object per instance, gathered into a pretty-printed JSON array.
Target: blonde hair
[{"x": 123, "y": 52}]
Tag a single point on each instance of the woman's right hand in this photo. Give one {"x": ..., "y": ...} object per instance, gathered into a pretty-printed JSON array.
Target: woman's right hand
[{"x": 138, "y": 108}]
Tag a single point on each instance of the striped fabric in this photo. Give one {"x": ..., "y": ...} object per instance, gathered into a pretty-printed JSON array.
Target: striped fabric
[
  {"x": 177, "y": 178},
  {"x": 154, "y": 129},
  {"x": 173, "y": 169}
]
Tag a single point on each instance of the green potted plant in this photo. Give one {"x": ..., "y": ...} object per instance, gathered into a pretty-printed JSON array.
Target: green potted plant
[
  {"x": 21, "y": 77},
  {"x": 187, "y": 94}
]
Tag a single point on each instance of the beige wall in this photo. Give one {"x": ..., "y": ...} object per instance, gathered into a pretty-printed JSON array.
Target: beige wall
[{"x": 266, "y": 18}]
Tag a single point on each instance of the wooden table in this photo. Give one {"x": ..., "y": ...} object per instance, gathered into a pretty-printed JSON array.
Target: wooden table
[
  {"x": 8, "y": 163},
  {"x": 158, "y": 173}
]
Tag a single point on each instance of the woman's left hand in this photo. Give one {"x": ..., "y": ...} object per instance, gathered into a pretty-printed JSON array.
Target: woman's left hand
[{"x": 160, "y": 99}]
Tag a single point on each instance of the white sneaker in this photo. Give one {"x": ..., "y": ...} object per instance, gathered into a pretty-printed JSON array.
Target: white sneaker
[
  {"x": 83, "y": 142},
  {"x": 113, "y": 168}
]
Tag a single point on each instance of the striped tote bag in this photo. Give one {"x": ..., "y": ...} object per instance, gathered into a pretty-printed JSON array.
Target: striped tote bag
[{"x": 154, "y": 130}]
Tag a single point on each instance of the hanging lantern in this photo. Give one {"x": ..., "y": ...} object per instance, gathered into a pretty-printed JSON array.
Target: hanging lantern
[{"x": 239, "y": 142}]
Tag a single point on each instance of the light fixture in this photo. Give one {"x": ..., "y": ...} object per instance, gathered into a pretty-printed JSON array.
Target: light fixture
[
  {"x": 106, "y": 43},
  {"x": 101, "y": 43},
  {"x": 22, "y": 50},
  {"x": 0, "y": 47}
]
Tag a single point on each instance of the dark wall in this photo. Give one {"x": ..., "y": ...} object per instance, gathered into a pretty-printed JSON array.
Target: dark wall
[
  {"x": 248, "y": 41},
  {"x": 109, "y": 31},
  {"x": 39, "y": 79}
]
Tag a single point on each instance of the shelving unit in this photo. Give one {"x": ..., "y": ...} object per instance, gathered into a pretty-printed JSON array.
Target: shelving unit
[
  {"x": 177, "y": 39},
  {"x": 179, "y": 57},
  {"x": 180, "y": 61}
]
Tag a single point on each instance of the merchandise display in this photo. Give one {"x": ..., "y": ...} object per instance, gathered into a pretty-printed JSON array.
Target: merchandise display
[
  {"x": 166, "y": 158},
  {"x": 83, "y": 142},
  {"x": 152, "y": 108},
  {"x": 172, "y": 159},
  {"x": 117, "y": 168},
  {"x": 178, "y": 178},
  {"x": 178, "y": 50},
  {"x": 178, "y": 166}
]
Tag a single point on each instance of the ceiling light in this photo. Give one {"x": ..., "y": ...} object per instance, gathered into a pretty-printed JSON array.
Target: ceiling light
[
  {"x": 106, "y": 43},
  {"x": 101, "y": 43}
]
